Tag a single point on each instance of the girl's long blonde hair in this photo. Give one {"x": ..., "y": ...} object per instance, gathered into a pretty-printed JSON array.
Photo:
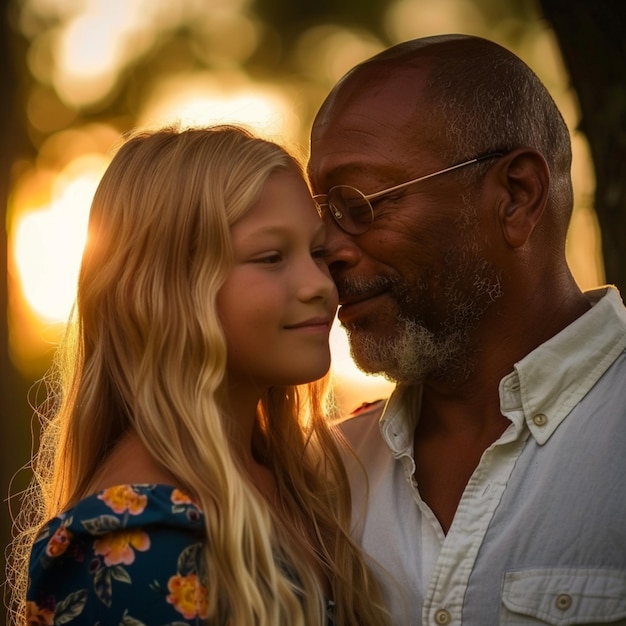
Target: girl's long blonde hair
[{"x": 145, "y": 351}]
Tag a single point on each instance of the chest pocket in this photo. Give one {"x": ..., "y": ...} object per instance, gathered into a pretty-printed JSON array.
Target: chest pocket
[{"x": 561, "y": 597}]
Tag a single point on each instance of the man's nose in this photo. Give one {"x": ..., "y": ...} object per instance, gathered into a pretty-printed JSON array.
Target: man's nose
[{"x": 342, "y": 250}]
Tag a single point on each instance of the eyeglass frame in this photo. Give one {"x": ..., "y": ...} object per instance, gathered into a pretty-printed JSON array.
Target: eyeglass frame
[{"x": 338, "y": 215}]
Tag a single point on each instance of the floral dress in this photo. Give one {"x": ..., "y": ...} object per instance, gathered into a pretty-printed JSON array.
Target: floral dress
[{"x": 127, "y": 556}]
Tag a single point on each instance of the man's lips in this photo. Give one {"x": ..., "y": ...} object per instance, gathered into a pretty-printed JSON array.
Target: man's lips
[
  {"x": 348, "y": 299},
  {"x": 357, "y": 294},
  {"x": 355, "y": 299},
  {"x": 355, "y": 305}
]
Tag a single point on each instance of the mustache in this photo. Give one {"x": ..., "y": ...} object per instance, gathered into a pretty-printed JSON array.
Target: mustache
[{"x": 358, "y": 286}]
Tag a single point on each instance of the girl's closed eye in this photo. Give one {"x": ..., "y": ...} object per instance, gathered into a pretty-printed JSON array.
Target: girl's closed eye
[
  {"x": 319, "y": 253},
  {"x": 271, "y": 258}
]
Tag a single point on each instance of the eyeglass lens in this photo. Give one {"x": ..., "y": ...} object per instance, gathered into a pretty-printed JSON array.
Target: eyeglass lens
[{"x": 351, "y": 210}]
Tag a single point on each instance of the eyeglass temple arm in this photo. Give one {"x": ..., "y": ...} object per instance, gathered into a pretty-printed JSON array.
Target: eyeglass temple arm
[{"x": 373, "y": 196}]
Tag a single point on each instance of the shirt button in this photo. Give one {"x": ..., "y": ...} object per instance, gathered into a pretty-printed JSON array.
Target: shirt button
[
  {"x": 442, "y": 617},
  {"x": 540, "y": 419},
  {"x": 563, "y": 601}
]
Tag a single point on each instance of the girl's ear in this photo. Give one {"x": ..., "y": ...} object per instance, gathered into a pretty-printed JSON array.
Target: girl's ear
[{"x": 525, "y": 178}]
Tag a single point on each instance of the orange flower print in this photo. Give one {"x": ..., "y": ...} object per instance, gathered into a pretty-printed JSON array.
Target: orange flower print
[
  {"x": 59, "y": 542},
  {"x": 189, "y": 596},
  {"x": 117, "y": 547},
  {"x": 180, "y": 497},
  {"x": 124, "y": 498},
  {"x": 38, "y": 616}
]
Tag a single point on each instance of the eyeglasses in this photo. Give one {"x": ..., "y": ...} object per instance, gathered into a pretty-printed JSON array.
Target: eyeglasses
[{"x": 352, "y": 209}]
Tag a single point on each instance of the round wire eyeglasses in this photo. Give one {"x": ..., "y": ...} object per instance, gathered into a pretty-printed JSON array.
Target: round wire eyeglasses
[{"x": 352, "y": 209}]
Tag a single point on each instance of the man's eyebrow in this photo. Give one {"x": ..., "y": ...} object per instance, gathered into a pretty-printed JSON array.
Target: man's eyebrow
[
  {"x": 376, "y": 173},
  {"x": 351, "y": 168}
]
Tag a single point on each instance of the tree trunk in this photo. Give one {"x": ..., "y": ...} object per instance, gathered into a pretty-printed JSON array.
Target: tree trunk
[{"x": 591, "y": 37}]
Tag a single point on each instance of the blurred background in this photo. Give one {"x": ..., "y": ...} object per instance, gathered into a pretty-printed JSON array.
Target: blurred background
[{"x": 78, "y": 74}]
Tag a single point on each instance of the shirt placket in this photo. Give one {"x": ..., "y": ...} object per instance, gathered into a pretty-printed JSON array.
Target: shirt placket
[{"x": 444, "y": 598}]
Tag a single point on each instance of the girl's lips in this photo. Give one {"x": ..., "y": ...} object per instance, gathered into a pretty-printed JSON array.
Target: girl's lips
[{"x": 315, "y": 323}]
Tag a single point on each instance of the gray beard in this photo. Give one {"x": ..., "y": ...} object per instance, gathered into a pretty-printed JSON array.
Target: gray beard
[
  {"x": 415, "y": 351},
  {"x": 412, "y": 355}
]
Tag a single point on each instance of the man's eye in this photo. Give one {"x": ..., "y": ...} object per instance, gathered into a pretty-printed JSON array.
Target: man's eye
[
  {"x": 386, "y": 199},
  {"x": 360, "y": 213}
]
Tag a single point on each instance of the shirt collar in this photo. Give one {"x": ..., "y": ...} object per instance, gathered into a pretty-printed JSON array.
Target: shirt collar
[
  {"x": 547, "y": 383},
  {"x": 544, "y": 386},
  {"x": 399, "y": 419}
]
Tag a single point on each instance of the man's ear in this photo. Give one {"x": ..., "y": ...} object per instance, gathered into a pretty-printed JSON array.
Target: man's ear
[{"x": 525, "y": 179}]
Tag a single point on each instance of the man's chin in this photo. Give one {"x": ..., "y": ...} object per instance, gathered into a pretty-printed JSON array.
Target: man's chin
[
  {"x": 371, "y": 356},
  {"x": 409, "y": 356}
]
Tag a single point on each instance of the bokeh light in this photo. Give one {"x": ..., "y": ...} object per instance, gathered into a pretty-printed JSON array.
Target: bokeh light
[
  {"x": 431, "y": 17},
  {"x": 327, "y": 52},
  {"x": 82, "y": 52},
  {"x": 49, "y": 241},
  {"x": 203, "y": 99}
]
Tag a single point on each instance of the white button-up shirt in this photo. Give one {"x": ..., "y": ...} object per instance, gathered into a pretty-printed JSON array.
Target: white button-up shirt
[{"x": 539, "y": 536}]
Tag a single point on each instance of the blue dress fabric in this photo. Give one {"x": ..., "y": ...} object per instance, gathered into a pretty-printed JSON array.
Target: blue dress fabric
[{"x": 128, "y": 555}]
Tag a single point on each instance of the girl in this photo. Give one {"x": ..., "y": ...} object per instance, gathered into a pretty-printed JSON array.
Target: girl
[{"x": 187, "y": 478}]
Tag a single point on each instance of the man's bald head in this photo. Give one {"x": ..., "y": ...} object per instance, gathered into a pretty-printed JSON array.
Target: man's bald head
[{"x": 466, "y": 96}]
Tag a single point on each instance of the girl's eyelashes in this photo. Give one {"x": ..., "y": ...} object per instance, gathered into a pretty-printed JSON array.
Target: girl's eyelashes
[
  {"x": 319, "y": 253},
  {"x": 270, "y": 258}
]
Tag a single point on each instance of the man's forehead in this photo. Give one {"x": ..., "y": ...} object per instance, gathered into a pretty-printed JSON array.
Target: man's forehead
[
  {"x": 351, "y": 154},
  {"x": 373, "y": 92}
]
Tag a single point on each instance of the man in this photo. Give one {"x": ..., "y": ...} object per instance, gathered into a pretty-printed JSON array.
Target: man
[{"x": 496, "y": 472}]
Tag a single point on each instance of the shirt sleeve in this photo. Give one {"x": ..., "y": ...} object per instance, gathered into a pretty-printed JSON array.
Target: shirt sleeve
[{"x": 106, "y": 573}]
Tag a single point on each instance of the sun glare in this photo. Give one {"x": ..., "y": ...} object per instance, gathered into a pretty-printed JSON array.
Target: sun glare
[
  {"x": 352, "y": 386},
  {"x": 49, "y": 242}
]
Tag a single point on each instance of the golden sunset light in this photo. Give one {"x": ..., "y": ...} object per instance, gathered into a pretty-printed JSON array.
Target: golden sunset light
[
  {"x": 124, "y": 391},
  {"x": 200, "y": 78}
]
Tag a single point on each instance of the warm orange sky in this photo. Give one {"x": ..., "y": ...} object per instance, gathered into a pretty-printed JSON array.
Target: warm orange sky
[{"x": 82, "y": 60}]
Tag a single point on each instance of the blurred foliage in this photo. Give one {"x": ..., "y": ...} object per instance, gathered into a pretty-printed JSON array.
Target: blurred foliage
[{"x": 189, "y": 45}]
